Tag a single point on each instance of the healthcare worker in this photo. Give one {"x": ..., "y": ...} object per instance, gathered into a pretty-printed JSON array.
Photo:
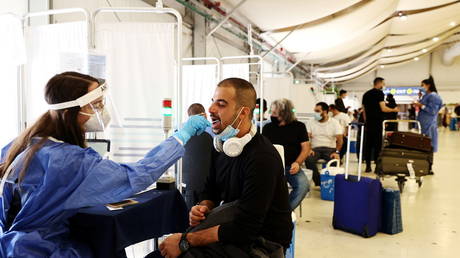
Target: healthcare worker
[
  {"x": 429, "y": 105},
  {"x": 48, "y": 174}
]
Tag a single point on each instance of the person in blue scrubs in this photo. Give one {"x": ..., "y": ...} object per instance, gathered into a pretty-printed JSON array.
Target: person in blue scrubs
[
  {"x": 429, "y": 105},
  {"x": 48, "y": 174}
]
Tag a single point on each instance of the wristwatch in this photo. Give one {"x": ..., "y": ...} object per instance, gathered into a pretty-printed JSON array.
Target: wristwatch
[
  {"x": 337, "y": 151},
  {"x": 184, "y": 245}
]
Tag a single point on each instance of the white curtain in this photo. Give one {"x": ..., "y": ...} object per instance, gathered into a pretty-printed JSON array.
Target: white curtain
[
  {"x": 140, "y": 72},
  {"x": 12, "y": 54},
  {"x": 235, "y": 70},
  {"x": 48, "y": 50},
  {"x": 277, "y": 88},
  {"x": 198, "y": 84}
]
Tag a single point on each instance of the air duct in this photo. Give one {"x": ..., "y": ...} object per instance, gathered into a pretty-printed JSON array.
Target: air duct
[{"x": 450, "y": 54}]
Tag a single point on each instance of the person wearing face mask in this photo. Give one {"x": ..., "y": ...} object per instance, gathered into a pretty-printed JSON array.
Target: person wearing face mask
[
  {"x": 48, "y": 173},
  {"x": 246, "y": 169},
  {"x": 326, "y": 136},
  {"x": 374, "y": 109},
  {"x": 429, "y": 105},
  {"x": 292, "y": 135}
]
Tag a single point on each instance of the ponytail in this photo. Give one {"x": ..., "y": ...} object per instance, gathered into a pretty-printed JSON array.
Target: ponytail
[{"x": 430, "y": 83}]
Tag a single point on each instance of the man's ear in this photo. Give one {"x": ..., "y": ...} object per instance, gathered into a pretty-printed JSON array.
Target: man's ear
[{"x": 245, "y": 111}]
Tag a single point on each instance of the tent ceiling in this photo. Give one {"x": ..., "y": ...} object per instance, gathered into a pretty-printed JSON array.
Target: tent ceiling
[{"x": 343, "y": 38}]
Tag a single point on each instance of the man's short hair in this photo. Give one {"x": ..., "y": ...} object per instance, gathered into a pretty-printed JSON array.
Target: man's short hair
[
  {"x": 245, "y": 94},
  {"x": 341, "y": 92},
  {"x": 332, "y": 107},
  {"x": 378, "y": 80},
  {"x": 264, "y": 102},
  {"x": 323, "y": 105},
  {"x": 195, "y": 109}
]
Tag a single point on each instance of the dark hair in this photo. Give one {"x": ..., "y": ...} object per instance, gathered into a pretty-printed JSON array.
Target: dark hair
[
  {"x": 323, "y": 105},
  {"x": 430, "y": 83},
  {"x": 341, "y": 92},
  {"x": 195, "y": 109},
  {"x": 245, "y": 95},
  {"x": 390, "y": 96},
  {"x": 263, "y": 102},
  {"x": 378, "y": 80},
  {"x": 332, "y": 107},
  {"x": 59, "y": 124},
  {"x": 285, "y": 110}
]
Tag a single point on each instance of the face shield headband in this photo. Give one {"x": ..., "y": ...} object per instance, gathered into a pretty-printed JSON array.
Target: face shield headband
[{"x": 83, "y": 100}]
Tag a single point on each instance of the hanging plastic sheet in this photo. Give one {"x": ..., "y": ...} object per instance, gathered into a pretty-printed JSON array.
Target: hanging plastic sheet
[
  {"x": 51, "y": 49},
  {"x": 12, "y": 54},
  {"x": 199, "y": 83},
  {"x": 141, "y": 71}
]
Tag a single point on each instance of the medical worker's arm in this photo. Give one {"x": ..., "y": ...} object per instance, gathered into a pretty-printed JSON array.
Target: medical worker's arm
[{"x": 432, "y": 105}]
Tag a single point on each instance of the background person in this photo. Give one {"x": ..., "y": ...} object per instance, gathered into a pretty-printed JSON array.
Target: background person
[
  {"x": 344, "y": 120},
  {"x": 254, "y": 179},
  {"x": 197, "y": 159},
  {"x": 259, "y": 113},
  {"x": 430, "y": 105},
  {"x": 53, "y": 174},
  {"x": 374, "y": 108},
  {"x": 326, "y": 136},
  {"x": 292, "y": 135},
  {"x": 339, "y": 102},
  {"x": 391, "y": 103}
]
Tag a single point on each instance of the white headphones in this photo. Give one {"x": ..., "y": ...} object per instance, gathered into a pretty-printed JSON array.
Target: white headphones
[{"x": 234, "y": 146}]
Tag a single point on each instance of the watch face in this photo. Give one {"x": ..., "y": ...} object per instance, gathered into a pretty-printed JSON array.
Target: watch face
[{"x": 184, "y": 245}]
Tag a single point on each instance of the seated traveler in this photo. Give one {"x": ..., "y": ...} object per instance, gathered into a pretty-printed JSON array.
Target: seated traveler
[
  {"x": 326, "y": 137},
  {"x": 245, "y": 168}
]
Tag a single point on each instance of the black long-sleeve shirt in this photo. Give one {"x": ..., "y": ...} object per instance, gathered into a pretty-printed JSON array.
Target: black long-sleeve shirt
[
  {"x": 340, "y": 106},
  {"x": 256, "y": 179}
]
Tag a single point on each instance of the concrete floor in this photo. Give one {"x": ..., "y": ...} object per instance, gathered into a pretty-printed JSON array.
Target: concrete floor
[{"x": 431, "y": 217}]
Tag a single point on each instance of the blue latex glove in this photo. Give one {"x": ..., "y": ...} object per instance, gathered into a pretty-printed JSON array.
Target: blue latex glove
[{"x": 195, "y": 125}]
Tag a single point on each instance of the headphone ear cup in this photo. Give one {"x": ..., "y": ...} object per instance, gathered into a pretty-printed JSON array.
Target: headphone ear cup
[
  {"x": 234, "y": 146},
  {"x": 218, "y": 144}
]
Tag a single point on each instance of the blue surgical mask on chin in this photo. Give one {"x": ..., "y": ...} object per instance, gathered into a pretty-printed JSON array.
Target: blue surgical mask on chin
[
  {"x": 318, "y": 116},
  {"x": 230, "y": 131}
]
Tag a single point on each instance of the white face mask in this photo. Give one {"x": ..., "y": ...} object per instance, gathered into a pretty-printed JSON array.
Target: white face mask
[{"x": 97, "y": 123}]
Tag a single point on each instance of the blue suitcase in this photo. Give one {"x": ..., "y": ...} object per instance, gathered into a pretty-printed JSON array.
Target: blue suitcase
[{"x": 357, "y": 201}]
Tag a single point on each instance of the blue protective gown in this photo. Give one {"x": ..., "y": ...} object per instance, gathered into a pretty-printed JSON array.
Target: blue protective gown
[
  {"x": 428, "y": 117},
  {"x": 61, "y": 179}
]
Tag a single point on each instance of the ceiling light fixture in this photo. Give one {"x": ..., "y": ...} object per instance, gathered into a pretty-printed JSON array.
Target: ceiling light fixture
[
  {"x": 424, "y": 50},
  {"x": 452, "y": 24},
  {"x": 435, "y": 39},
  {"x": 402, "y": 16},
  {"x": 416, "y": 59},
  {"x": 389, "y": 50},
  {"x": 382, "y": 66}
]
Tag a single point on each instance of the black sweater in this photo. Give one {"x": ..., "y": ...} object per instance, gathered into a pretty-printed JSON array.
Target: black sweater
[{"x": 256, "y": 179}]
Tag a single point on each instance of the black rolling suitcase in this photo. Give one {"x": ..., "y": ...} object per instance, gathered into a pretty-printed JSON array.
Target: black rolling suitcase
[{"x": 409, "y": 140}]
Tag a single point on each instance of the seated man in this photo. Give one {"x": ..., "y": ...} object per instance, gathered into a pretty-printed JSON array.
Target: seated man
[
  {"x": 326, "y": 137},
  {"x": 344, "y": 120},
  {"x": 196, "y": 160},
  {"x": 254, "y": 178}
]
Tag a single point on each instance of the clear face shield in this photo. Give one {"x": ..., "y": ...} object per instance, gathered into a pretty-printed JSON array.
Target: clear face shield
[{"x": 98, "y": 105}]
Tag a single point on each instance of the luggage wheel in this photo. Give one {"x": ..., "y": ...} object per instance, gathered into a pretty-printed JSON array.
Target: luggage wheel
[{"x": 419, "y": 182}]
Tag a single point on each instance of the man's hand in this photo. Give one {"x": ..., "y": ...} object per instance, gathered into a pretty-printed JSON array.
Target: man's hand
[
  {"x": 295, "y": 167},
  {"x": 335, "y": 156},
  {"x": 169, "y": 248},
  {"x": 396, "y": 109},
  {"x": 197, "y": 214},
  {"x": 312, "y": 153}
]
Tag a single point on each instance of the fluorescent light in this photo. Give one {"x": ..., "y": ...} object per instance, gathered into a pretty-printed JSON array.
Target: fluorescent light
[
  {"x": 416, "y": 59},
  {"x": 452, "y": 24},
  {"x": 424, "y": 50},
  {"x": 382, "y": 66},
  {"x": 389, "y": 50},
  {"x": 435, "y": 39}
]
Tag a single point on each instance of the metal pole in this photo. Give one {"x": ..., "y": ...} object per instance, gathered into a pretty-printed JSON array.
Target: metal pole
[
  {"x": 251, "y": 48},
  {"x": 279, "y": 42},
  {"x": 226, "y": 18}
]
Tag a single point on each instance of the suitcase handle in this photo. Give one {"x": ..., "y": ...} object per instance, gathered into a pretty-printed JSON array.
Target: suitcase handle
[
  {"x": 360, "y": 159},
  {"x": 419, "y": 127}
]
